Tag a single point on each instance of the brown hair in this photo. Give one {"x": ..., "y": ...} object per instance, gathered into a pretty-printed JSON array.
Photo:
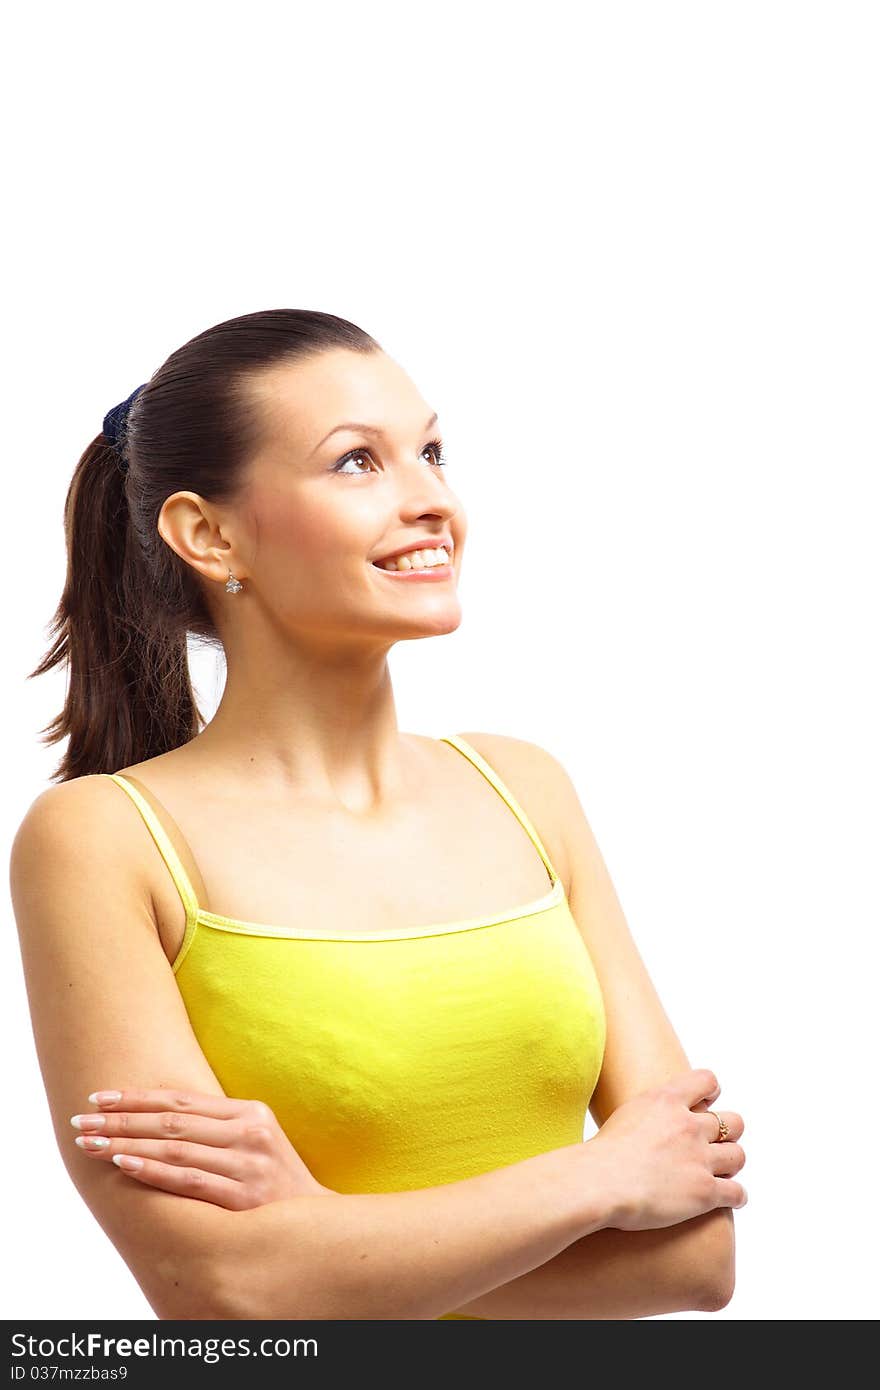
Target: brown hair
[{"x": 129, "y": 599}]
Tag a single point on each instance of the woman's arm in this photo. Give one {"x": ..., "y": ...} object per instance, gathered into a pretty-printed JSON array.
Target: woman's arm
[
  {"x": 106, "y": 1011},
  {"x": 622, "y": 1274},
  {"x": 405, "y": 1255},
  {"x": 604, "y": 1274}
]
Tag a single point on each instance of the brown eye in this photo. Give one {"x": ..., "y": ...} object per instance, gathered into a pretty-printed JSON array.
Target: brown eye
[
  {"x": 346, "y": 458},
  {"x": 439, "y": 454}
]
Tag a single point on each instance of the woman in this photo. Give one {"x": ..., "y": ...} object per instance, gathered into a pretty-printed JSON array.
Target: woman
[{"x": 352, "y": 998}]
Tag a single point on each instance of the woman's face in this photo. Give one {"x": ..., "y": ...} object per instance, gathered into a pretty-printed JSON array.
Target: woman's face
[{"x": 325, "y": 500}]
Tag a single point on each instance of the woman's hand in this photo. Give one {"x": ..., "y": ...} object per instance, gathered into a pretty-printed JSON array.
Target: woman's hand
[
  {"x": 230, "y": 1152},
  {"x": 660, "y": 1158}
]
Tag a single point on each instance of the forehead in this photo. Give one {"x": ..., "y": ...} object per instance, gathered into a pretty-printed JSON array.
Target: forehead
[{"x": 304, "y": 400}]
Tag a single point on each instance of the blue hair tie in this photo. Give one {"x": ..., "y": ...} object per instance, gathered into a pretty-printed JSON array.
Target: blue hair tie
[{"x": 114, "y": 422}]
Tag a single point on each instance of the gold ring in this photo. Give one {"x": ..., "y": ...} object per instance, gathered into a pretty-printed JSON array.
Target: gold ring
[{"x": 723, "y": 1129}]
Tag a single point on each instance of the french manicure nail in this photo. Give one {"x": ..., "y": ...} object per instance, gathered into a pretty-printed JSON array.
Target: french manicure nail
[
  {"x": 92, "y": 1141},
  {"x": 88, "y": 1121},
  {"x": 128, "y": 1161},
  {"x": 105, "y": 1097}
]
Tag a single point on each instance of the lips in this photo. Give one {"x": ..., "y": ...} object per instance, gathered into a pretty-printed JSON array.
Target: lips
[{"x": 419, "y": 575}]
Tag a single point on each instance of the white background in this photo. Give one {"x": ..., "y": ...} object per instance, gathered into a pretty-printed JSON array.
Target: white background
[{"x": 629, "y": 252}]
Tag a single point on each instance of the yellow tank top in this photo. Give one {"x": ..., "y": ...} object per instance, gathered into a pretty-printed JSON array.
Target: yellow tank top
[{"x": 400, "y": 1059}]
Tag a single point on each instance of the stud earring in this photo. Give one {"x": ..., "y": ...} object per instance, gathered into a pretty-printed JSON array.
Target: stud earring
[{"x": 232, "y": 584}]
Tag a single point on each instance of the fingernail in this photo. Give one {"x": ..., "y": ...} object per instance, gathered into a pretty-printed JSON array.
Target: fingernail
[
  {"x": 105, "y": 1097},
  {"x": 88, "y": 1121},
  {"x": 127, "y": 1161},
  {"x": 91, "y": 1141}
]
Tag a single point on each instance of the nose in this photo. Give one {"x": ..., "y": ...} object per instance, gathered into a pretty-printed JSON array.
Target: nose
[{"x": 416, "y": 508}]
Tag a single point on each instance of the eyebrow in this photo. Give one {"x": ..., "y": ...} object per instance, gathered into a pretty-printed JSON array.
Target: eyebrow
[{"x": 364, "y": 429}]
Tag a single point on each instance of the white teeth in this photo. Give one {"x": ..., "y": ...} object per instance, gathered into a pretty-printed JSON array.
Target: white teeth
[{"x": 417, "y": 560}]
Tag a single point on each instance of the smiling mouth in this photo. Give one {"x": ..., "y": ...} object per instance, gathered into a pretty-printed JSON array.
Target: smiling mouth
[{"x": 428, "y": 558}]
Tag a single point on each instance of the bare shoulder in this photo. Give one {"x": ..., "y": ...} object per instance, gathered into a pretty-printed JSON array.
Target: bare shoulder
[
  {"x": 66, "y": 810},
  {"x": 534, "y": 775},
  {"x": 92, "y": 815},
  {"x": 78, "y": 818},
  {"x": 519, "y": 755}
]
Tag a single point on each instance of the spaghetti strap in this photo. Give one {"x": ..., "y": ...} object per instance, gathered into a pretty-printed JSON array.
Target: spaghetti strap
[
  {"x": 165, "y": 847},
  {"x": 468, "y": 750}
]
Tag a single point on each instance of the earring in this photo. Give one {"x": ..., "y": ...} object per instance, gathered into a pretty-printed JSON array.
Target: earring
[{"x": 232, "y": 584}]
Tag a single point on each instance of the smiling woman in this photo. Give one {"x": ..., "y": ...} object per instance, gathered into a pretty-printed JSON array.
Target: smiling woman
[{"x": 352, "y": 1013}]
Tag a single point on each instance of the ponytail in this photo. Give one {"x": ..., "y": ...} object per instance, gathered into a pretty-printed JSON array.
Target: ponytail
[{"x": 129, "y": 696}]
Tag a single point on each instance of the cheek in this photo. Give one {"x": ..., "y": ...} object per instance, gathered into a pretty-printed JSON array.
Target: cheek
[
  {"x": 299, "y": 536},
  {"x": 290, "y": 533}
]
